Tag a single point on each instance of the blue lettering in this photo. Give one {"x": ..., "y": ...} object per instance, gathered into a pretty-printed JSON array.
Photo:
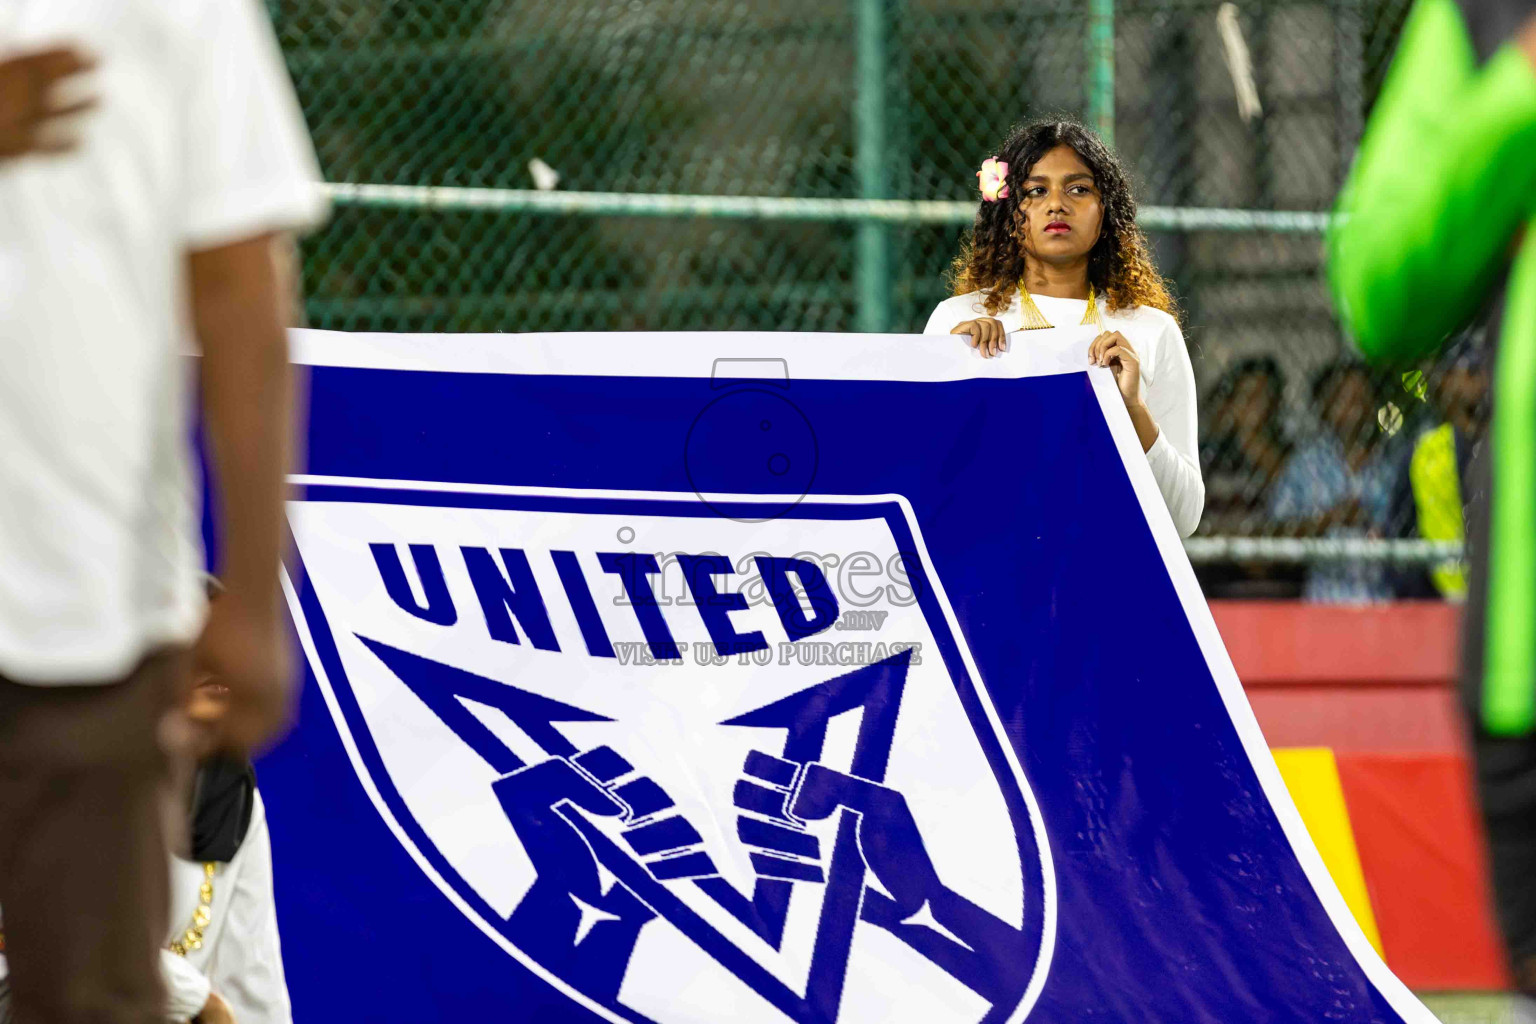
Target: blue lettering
[
  {"x": 633, "y": 570},
  {"x": 513, "y": 595},
  {"x": 592, "y": 631},
  {"x": 439, "y": 607},
  {"x": 798, "y": 625},
  {"x": 715, "y": 608}
]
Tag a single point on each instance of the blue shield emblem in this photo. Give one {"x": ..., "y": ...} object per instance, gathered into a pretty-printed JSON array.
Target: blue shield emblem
[{"x": 686, "y": 761}]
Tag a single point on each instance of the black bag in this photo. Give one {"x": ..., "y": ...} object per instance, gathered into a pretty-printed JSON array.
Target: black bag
[{"x": 223, "y": 797}]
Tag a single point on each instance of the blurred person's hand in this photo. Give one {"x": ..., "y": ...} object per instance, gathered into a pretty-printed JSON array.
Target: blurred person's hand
[
  {"x": 245, "y": 649},
  {"x": 215, "y": 1011},
  {"x": 204, "y": 712},
  {"x": 40, "y": 94},
  {"x": 209, "y": 701},
  {"x": 984, "y": 334}
]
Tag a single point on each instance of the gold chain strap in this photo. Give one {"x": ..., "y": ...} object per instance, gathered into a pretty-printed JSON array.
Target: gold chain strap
[
  {"x": 1034, "y": 320},
  {"x": 192, "y": 938}
]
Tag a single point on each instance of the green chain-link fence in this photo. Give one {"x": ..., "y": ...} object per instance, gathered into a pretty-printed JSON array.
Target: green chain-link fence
[{"x": 810, "y": 165}]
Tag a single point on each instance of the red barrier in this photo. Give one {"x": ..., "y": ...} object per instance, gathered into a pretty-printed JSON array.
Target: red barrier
[
  {"x": 1291, "y": 643},
  {"x": 1420, "y": 845},
  {"x": 1376, "y": 683}
]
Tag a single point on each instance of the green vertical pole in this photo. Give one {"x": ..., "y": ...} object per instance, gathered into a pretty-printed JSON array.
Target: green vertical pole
[
  {"x": 869, "y": 115},
  {"x": 1101, "y": 67}
]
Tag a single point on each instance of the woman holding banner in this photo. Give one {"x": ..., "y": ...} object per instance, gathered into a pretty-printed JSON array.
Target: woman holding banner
[{"x": 1056, "y": 245}]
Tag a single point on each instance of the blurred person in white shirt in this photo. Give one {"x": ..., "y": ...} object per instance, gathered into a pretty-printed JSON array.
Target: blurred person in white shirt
[{"x": 142, "y": 218}]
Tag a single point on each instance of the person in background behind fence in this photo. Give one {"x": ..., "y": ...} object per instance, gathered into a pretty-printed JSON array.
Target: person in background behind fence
[
  {"x": 1435, "y": 222},
  {"x": 1247, "y": 447},
  {"x": 1055, "y": 244},
  {"x": 1349, "y": 480},
  {"x": 1244, "y": 454},
  {"x": 157, "y": 221}
]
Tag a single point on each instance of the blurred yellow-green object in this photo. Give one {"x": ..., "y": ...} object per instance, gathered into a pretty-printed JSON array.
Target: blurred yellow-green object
[
  {"x": 1430, "y": 220},
  {"x": 1436, "y": 480}
]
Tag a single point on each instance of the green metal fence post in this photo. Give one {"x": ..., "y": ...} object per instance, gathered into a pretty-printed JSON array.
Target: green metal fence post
[
  {"x": 874, "y": 252},
  {"x": 1101, "y": 67}
]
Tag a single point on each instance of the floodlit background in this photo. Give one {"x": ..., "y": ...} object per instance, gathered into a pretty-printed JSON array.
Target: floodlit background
[{"x": 615, "y": 141}]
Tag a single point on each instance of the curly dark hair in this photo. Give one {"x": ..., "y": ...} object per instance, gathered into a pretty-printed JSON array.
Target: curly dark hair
[{"x": 1120, "y": 267}]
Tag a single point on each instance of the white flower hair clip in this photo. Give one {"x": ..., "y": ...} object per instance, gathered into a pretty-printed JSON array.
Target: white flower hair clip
[{"x": 994, "y": 179}]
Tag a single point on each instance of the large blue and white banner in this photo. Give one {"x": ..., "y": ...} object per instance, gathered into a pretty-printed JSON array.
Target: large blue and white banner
[{"x": 770, "y": 678}]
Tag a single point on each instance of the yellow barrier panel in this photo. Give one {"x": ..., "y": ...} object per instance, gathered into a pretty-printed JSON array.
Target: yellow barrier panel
[{"x": 1312, "y": 776}]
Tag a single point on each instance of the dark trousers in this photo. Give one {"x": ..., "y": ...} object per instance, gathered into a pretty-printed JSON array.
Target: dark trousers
[
  {"x": 1506, "y": 782},
  {"x": 85, "y": 777}
]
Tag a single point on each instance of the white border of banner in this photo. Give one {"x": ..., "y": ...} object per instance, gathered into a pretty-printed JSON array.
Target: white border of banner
[
  {"x": 1241, "y": 712},
  {"x": 834, "y": 357},
  {"x": 728, "y": 356}
]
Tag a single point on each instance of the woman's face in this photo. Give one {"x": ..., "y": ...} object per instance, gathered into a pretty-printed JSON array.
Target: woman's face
[{"x": 1060, "y": 208}]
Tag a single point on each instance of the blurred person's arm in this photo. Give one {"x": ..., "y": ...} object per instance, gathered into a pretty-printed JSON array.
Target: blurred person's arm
[
  {"x": 1443, "y": 182},
  {"x": 249, "y": 178},
  {"x": 41, "y": 96},
  {"x": 242, "y": 303}
]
